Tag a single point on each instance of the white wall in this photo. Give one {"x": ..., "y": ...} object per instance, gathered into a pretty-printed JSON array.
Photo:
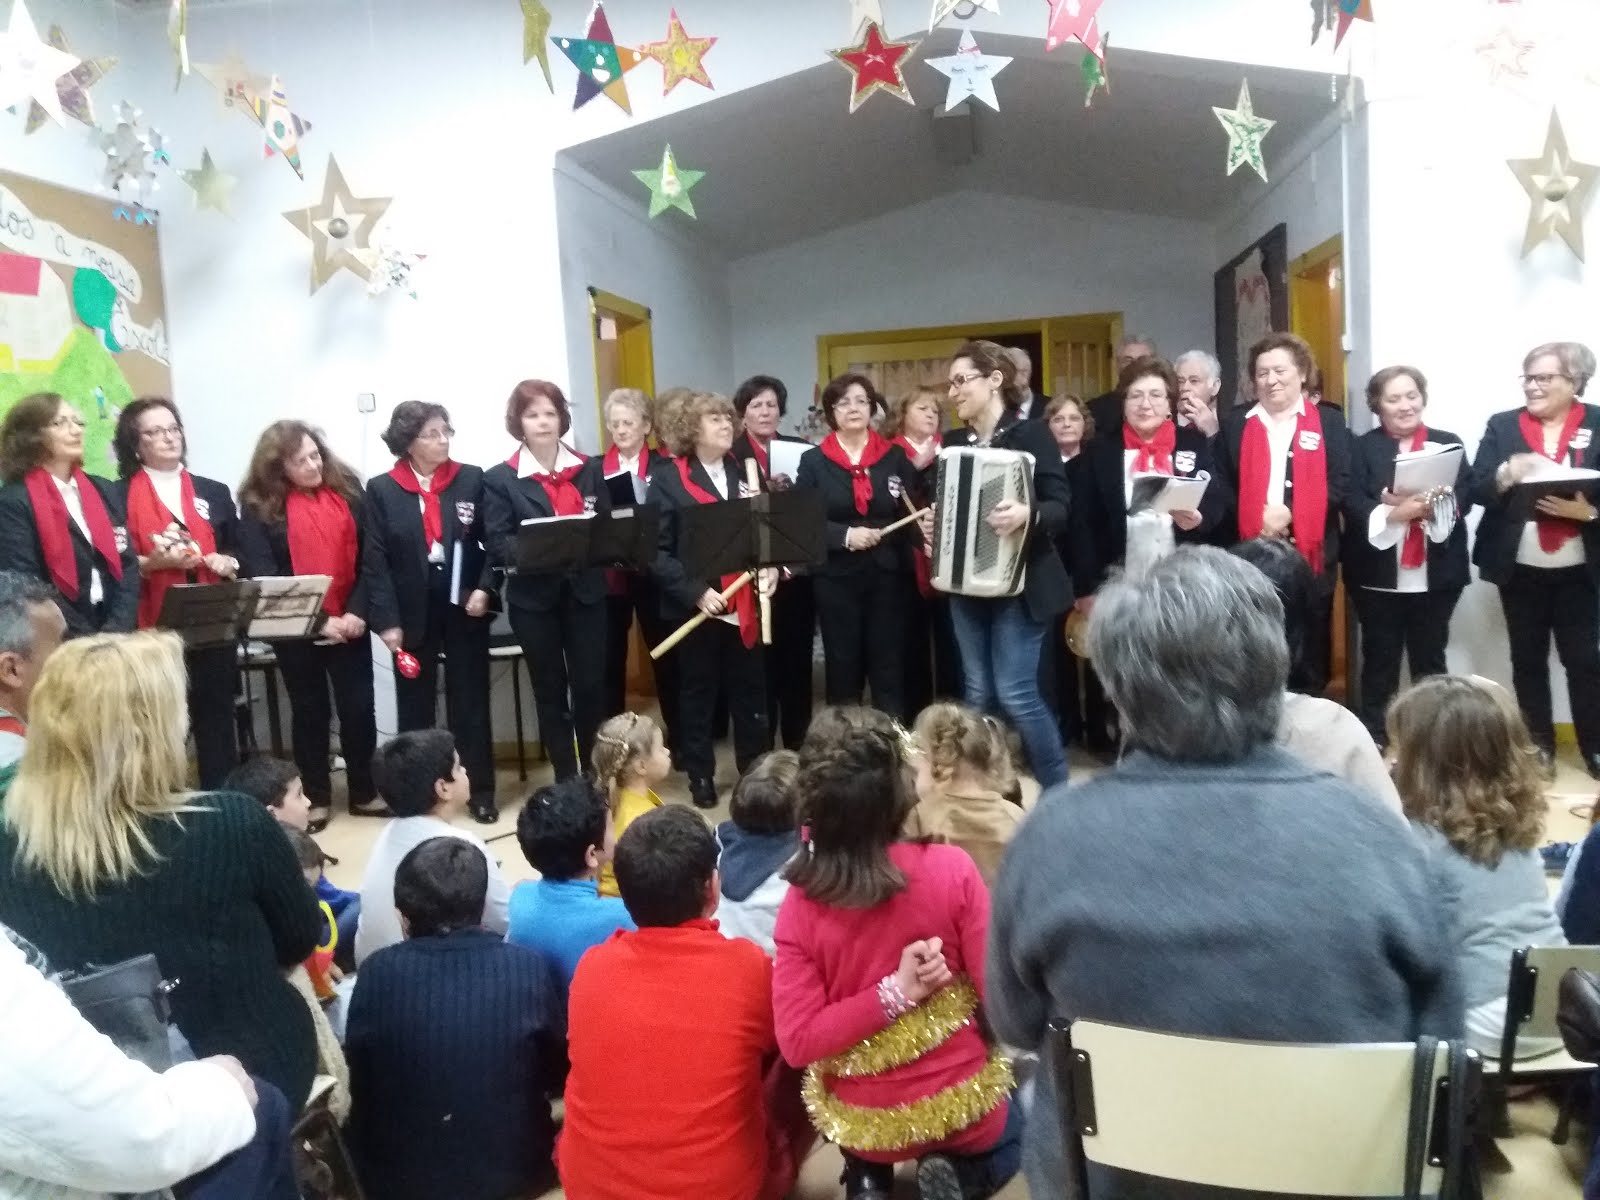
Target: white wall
[{"x": 968, "y": 256}]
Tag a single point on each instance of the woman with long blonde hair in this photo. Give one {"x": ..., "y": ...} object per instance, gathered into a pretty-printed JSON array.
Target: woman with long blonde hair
[{"x": 104, "y": 855}]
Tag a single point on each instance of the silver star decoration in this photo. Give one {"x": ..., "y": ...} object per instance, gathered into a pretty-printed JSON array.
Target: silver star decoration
[
  {"x": 971, "y": 73},
  {"x": 1559, "y": 188},
  {"x": 132, "y": 152}
]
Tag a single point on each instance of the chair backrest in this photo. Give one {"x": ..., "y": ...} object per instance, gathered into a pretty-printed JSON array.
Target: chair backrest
[
  {"x": 1322, "y": 1120},
  {"x": 1534, "y": 990}
]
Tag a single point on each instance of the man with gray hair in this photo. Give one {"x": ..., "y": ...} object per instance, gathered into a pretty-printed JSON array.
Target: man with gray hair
[
  {"x": 1106, "y": 409},
  {"x": 31, "y": 627},
  {"x": 1033, "y": 401},
  {"x": 1199, "y": 381},
  {"x": 1209, "y": 883}
]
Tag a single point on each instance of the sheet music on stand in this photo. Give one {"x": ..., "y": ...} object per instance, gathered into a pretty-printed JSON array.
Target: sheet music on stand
[
  {"x": 209, "y": 614},
  {"x": 288, "y": 606},
  {"x": 774, "y": 529}
]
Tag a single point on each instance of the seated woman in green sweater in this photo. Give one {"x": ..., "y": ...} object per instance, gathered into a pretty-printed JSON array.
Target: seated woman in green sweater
[{"x": 104, "y": 855}]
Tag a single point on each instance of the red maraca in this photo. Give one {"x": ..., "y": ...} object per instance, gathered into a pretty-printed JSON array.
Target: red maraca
[{"x": 407, "y": 664}]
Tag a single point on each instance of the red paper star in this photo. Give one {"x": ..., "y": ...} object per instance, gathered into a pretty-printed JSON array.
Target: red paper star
[
  {"x": 1351, "y": 10},
  {"x": 876, "y": 65},
  {"x": 1075, "y": 20}
]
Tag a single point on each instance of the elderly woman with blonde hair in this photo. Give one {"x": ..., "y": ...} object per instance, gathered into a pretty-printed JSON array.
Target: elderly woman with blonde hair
[{"x": 105, "y": 856}]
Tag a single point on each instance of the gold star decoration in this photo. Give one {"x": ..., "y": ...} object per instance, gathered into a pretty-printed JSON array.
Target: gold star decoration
[
  {"x": 339, "y": 228},
  {"x": 680, "y": 56},
  {"x": 536, "y": 38},
  {"x": 237, "y": 85},
  {"x": 212, "y": 188},
  {"x": 1559, "y": 188},
  {"x": 72, "y": 89}
]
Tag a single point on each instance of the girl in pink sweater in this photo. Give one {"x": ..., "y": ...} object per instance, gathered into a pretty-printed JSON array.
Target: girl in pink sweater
[{"x": 879, "y": 979}]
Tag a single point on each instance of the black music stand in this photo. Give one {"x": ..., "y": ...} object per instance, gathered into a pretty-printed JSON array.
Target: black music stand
[
  {"x": 623, "y": 537},
  {"x": 209, "y": 614},
  {"x": 774, "y": 529},
  {"x": 288, "y": 607}
]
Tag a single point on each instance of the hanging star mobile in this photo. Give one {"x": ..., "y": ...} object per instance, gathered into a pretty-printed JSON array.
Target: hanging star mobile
[
  {"x": 237, "y": 85},
  {"x": 601, "y": 62},
  {"x": 29, "y": 68},
  {"x": 72, "y": 89},
  {"x": 337, "y": 240},
  {"x": 1245, "y": 132},
  {"x": 1350, "y": 11},
  {"x": 1559, "y": 188},
  {"x": 864, "y": 13},
  {"x": 971, "y": 73},
  {"x": 212, "y": 188},
  {"x": 1075, "y": 21},
  {"x": 536, "y": 38},
  {"x": 178, "y": 38},
  {"x": 1096, "y": 72},
  {"x": 669, "y": 185},
  {"x": 283, "y": 127},
  {"x": 878, "y": 66},
  {"x": 680, "y": 56},
  {"x": 942, "y": 9}
]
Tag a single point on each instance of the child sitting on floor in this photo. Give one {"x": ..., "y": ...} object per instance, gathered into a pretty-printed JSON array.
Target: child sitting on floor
[
  {"x": 964, "y": 778},
  {"x": 565, "y": 834},
  {"x": 761, "y": 836},
  {"x": 630, "y": 758}
]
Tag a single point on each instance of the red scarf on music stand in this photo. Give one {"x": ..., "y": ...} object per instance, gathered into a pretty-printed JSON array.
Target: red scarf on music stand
[
  {"x": 744, "y": 601},
  {"x": 1554, "y": 532},
  {"x": 322, "y": 541},
  {"x": 565, "y": 498},
  {"x": 1414, "y": 550},
  {"x": 432, "y": 516},
  {"x": 148, "y": 518},
  {"x": 54, "y": 525},
  {"x": 1155, "y": 453},
  {"x": 860, "y": 482},
  {"x": 1310, "y": 500}
]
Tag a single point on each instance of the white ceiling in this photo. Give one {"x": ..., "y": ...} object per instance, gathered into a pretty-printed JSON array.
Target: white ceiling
[{"x": 786, "y": 160}]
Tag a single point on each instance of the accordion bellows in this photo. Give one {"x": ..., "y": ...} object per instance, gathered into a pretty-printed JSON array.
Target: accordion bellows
[{"x": 970, "y": 558}]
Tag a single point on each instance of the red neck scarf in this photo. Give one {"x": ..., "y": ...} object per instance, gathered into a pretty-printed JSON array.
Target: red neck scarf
[
  {"x": 744, "y": 603},
  {"x": 1554, "y": 532},
  {"x": 1154, "y": 455},
  {"x": 1309, "y": 502},
  {"x": 322, "y": 541},
  {"x": 54, "y": 523},
  {"x": 147, "y": 519},
  {"x": 860, "y": 482},
  {"x": 759, "y": 453},
  {"x": 565, "y": 498},
  {"x": 1414, "y": 550},
  {"x": 432, "y": 515},
  {"x": 612, "y": 462}
]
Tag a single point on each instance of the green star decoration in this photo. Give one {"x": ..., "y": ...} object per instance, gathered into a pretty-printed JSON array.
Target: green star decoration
[
  {"x": 1245, "y": 131},
  {"x": 212, "y": 188},
  {"x": 669, "y": 185}
]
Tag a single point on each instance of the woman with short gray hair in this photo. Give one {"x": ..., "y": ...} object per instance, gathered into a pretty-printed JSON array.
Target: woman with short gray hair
[{"x": 1139, "y": 897}]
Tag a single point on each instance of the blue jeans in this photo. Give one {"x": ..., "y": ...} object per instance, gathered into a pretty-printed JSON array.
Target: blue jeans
[
  {"x": 261, "y": 1169},
  {"x": 1000, "y": 646}
]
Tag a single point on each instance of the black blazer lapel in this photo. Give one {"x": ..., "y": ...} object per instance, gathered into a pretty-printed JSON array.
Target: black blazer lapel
[{"x": 534, "y": 495}]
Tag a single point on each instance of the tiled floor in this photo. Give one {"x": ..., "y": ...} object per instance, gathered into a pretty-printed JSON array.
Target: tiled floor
[{"x": 1541, "y": 1171}]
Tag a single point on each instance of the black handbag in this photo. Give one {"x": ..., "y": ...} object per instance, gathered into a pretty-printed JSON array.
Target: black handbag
[
  {"x": 1578, "y": 1014},
  {"x": 129, "y": 1003}
]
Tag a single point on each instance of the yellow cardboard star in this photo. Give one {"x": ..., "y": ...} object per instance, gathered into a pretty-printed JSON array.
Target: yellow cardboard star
[
  {"x": 680, "y": 56},
  {"x": 536, "y": 38}
]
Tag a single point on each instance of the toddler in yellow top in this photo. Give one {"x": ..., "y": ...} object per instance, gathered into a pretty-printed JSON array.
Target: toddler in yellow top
[{"x": 630, "y": 757}]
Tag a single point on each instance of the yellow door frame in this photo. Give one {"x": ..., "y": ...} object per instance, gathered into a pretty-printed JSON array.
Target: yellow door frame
[
  {"x": 634, "y": 342},
  {"x": 1309, "y": 271}
]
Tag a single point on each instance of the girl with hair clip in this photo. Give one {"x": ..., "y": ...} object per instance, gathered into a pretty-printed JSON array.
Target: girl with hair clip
[
  {"x": 630, "y": 760},
  {"x": 965, "y": 784},
  {"x": 879, "y": 980}
]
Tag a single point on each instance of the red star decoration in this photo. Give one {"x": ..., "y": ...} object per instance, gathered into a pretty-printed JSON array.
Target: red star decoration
[
  {"x": 1075, "y": 20},
  {"x": 1351, "y": 10},
  {"x": 877, "y": 66}
]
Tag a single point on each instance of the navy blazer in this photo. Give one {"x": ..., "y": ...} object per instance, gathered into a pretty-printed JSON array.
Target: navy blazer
[
  {"x": 264, "y": 551},
  {"x": 680, "y": 592},
  {"x": 1500, "y": 530},
  {"x": 1048, "y": 590},
  {"x": 508, "y": 501},
  {"x": 891, "y": 478},
  {"x": 394, "y": 561},
  {"x": 1371, "y": 473},
  {"x": 20, "y": 551}
]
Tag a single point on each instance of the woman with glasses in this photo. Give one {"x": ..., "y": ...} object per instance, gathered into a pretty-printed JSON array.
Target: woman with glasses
[
  {"x": 184, "y": 528},
  {"x": 1544, "y": 553},
  {"x": 61, "y": 525},
  {"x": 430, "y": 586}
]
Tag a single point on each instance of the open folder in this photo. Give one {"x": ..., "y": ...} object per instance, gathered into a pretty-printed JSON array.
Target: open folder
[
  {"x": 1167, "y": 493},
  {"x": 1418, "y": 471},
  {"x": 1551, "y": 479}
]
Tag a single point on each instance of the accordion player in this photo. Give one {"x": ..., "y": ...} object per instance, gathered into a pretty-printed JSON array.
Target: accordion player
[{"x": 968, "y": 557}]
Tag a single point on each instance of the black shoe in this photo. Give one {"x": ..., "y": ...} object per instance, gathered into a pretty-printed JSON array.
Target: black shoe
[
  {"x": 483, "y": 812},
  {"x": 703, "y": 792},
  {"x": 1592, "y": 761},
  {"x": 937, "y": 1179},
  {"x": 867, "y": 1181}
]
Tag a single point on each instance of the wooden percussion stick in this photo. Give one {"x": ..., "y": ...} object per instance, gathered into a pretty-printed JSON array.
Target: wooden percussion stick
[
  {"x": 752, "y": 476},
  {"x": 700, "y": 618}
]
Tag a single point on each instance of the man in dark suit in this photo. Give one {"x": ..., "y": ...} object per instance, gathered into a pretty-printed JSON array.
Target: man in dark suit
[
  {"x": 1033, "y": 400},
  {"x": 1106, "y": 409}
]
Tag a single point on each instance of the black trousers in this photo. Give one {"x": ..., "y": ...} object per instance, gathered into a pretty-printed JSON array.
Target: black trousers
[
  {"x": 1562, "y": 602},
  {"x": 1317, "y": 647},
  {"x": 788, "y": 666},
  {"x": 863, "y": 619},
  {"x": 932, "y": 661},
  {"x": 715, "y": 657},
  {"x": 565, "y": 649},
  {"x": 308, "y": 671},
  {"x": 465, "y": 642},
  {"x": 641, "y": 599},
  {"x": 1071, "y": 687},
  {"x": 1414, "y": 626},
  {"x": 213, "y": 696}
]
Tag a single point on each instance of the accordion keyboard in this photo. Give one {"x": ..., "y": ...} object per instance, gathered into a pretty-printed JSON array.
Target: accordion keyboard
[{"x": 986, "y": 542}]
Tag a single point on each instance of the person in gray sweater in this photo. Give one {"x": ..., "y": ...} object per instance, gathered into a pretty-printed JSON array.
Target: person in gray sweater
[{"x": 1210, "y": 883}]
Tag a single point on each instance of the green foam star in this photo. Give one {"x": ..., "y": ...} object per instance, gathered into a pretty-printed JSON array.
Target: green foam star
[
  {"x": 669, "y": 185},
  {"x": 1245, "y": 131}
]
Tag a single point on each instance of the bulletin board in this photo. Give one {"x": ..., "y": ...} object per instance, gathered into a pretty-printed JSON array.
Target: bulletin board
[{"x": 82, "y": 308}]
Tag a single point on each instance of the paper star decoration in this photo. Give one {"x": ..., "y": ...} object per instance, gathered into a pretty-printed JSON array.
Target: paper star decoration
[
  {"x": 971, "y": 73},
  {"x": 336, "y": 236},
  {"x": 30, "y": 68},
  {"x": 877, "y": 66},
  {"x": 1075, "y": 20},
  {"x": 1350, "y": 11},
  {"x": 72, "y": 89},
  {"x": 669, "y": 185},
  {"x": 943, "y": 8},
  {"x": 536, "y": 37},
  {"x": 132, "y": 152},
  {"x": 601, "y": 62},
  {"x": 679, "y": 56},
  {"x": 283, "y": 128},
  {"x": 237, "y": 85},
  {"x": 178, "y": 37},
  {"x": 1096, "y": 73},
  {"x": 864, "y": 13},
  {"x": 1559, "y": 187},
  {"x": 1245, "y": 131},
  {"x": 212, "y": 188},
  {"x": 1503, "y": 54}
]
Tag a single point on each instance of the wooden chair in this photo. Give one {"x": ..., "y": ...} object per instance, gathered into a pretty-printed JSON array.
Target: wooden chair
[
  {"x": 1284, "y": 1119},
  {"x": 1532, "y": 994}
]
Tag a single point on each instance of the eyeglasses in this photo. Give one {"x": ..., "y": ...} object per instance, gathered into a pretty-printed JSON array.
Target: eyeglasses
[
  {"x": 1541, "y": 381},
  {"x": 961, "y": 381},
  {"x": 436, "y": 435},
  {"x": 162, "y": 431},
  {"x": 1146, "y": 401},
  {"x": 67, "y": 421}
]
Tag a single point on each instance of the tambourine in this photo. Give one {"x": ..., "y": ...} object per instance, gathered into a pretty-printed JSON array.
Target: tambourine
[{"x": 1077, "y": 633}]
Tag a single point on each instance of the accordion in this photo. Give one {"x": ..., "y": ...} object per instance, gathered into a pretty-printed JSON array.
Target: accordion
[{"x": 970, "y": 558}]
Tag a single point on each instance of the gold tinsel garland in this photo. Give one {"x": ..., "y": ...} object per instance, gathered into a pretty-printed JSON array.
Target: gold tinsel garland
[
  {"x": 931, "y": 1119},
  {"x": 929, "y": 1024}
]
